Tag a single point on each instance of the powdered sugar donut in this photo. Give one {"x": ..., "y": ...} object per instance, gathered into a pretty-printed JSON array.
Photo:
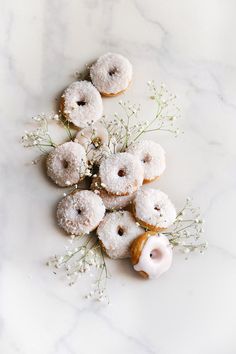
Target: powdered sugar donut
[
  {"x": 152, "y": 157},
  {"x": 151, "y": 255},
  {"x": 121, "y": 174},
  {"x": 66, "y": 164},
  {"x": 95, "y": 141},
  {"x": 153, "y": 209},
  {"x": 111, "y": 202},
  {"x": 111, "y": 74},
  {"x": 81, "y": 104},
  {"x": 80, "y": 213},
  {"x": 116, "y": 232}
]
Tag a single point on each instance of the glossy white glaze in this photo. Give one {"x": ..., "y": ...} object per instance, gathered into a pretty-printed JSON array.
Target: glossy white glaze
[{"x": 156, "y": 256}]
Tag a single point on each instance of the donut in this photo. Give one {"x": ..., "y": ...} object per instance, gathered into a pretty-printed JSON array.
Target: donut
[
  {"x": 81, "y": 104},
  {"x": 121, "y": 173},
  {"x": 153, "y": 209},
  {"x": 66, "y": 164},
  {"x": 95, "y": 141},
  {"x": 152, "y": 157},
  {"x": 111, "y": 74},
  {"x": 80, "y": 213},
  {"x": 151, "y": 255},
  {"x": 116, "y": 232},
  {"x": 111, "y": 202}
]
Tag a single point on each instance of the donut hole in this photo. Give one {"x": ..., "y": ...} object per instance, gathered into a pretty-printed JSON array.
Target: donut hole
[
  {"x": 157, "y": 208},
  {"x": 81, "y": 103},
  {"x": 147, "y": 158},
  {"x": 156, "y": 255},
  {"x": 65, "y": 164},
  {"x": 121, "y": 172},
  {"x": 113, "y": 71},
  {"x": 120, "y": 231}
]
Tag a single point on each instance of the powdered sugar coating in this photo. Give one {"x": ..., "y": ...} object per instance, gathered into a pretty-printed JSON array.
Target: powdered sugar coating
[
  {"x": 121, "y": 173},
  {"x": 111, "y": 73},
  {"x": 152, "y": 156},
  {"x": 111, "y": 202},
  {"x": 81, "y": 103},
  {"x": 95, "y": 141},
  {"x": 66, "y": 164},
  {"x": 154, "y": 209},
  {"x": 156, "y": 256},
  {"x": 116, "y": 232},
  {"x": 80, "y": 213}
]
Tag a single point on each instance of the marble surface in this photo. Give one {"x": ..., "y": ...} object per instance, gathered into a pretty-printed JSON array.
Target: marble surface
[{"x": 190, "y": 46}]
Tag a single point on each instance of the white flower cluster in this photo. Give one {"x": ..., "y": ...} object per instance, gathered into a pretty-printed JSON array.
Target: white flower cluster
[
  {"x": 40, "y": 137},
  {"x": 167, "y": 110},
  {"x": 84, "y": 256},
  {"x": 187, "y": 230},
  {"x": 124, "y": 128}
]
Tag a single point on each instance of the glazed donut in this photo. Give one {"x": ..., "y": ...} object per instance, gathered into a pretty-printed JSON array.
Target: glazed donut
[
  {"x": 111, "y": 202},
  {"x": 81, "y": 104},
  {"x": 66, "y": 164},
  {"x": 95, "y": 141},
  {"x": 111, "y": 74},
  {"x": 80, "y": 213},
  {"x": 151, "y": 255},
  {"x": 153, "y": 209},
  {"x": 152, "y": 157},
  {"x": 121, "y": 173},
  {"x": 116, "y": 232}
]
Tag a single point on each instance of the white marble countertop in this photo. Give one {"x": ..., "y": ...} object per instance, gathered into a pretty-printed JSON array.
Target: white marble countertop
[{"x": 190, "y": 46}]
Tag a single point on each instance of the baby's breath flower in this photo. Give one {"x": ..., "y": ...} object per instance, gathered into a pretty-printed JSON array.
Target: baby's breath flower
[
  {"x": 163, "y": 120},
  {"x": 187, "y": 230},
  {"x": 84, "y": 255},
  {"x": 39, "y": 137},
  {"x": 125, "y": 128}
]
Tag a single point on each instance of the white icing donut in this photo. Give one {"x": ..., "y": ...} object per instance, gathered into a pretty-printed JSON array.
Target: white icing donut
[
  {"x": 152, "y": 157},
  {"x": 81, "y": 104},
  {"x": 66, "y": 164},
  {"x": 111, "y": 202},
  {"x": 153, "y": 209},
  {"x": 95, "y": 141},
  {"x": 116, "y": 232},
  {"x": 80, "y": 213},
  {"x": 111, "y": 74},
  {"x": 121, "y": 174},
  {"x": 151, "y": 255}
]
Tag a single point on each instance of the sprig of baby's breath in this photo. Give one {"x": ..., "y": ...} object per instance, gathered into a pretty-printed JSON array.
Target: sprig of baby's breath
[
  {"x": 39, "y": 137},
  {"x": 125, "y": 128},
  {"x": 84, "y": 256},
  {"x": 65, "y": 123},
  {"x": 186, "y": 233},
  {"x": 167, "y": 112}
]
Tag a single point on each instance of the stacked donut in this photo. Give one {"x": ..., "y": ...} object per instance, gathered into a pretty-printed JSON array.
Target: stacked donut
[{"x": 128, "y": 217}]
